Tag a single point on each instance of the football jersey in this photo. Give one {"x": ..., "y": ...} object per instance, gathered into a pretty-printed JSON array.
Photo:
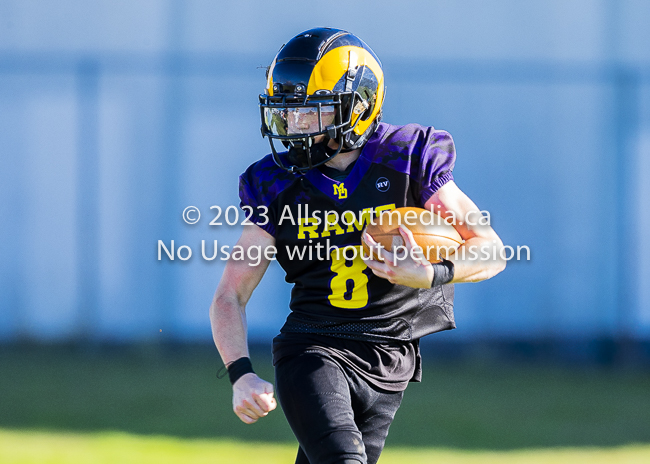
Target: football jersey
[{"x": 317, "y": 224}]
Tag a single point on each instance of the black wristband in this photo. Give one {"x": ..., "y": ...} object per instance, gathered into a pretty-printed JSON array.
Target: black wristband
[
  {"x": 443, "y": 272},
  {"x": 238, "y": 368}
]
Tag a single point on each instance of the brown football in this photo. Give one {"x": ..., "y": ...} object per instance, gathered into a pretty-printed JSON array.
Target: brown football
[{"x": 437, "y": 238}]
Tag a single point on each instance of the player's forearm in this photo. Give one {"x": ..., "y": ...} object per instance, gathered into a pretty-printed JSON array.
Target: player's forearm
[
  {"x": 478, "y": 259},
  {"x": 228, "y": 320}
]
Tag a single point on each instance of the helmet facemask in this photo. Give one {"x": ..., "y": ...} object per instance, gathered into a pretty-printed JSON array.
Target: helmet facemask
[{"x": 305, "y": 125}]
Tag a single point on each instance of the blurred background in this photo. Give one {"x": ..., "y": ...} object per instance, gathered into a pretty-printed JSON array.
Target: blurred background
[{"x": 116, "y": 115}]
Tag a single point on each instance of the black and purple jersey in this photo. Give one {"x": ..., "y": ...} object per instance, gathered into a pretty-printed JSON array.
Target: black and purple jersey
[{"x": 317, "y": 223}]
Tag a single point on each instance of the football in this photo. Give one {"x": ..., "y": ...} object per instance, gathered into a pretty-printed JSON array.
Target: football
[{"x": 438, "y": 239}]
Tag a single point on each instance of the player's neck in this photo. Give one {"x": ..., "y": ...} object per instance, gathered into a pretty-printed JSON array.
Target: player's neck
[{"x": 343, "y": 160}]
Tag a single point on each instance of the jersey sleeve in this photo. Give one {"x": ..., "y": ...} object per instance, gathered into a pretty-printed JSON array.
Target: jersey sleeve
[
  {"x": 437, "y": 161},
  {"x": 251, "y": 202},
  {"x": 259, "y": 188}
]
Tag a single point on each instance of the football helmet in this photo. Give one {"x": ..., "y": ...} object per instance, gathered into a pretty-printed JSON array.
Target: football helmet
[{"x": 324, "y": 84}]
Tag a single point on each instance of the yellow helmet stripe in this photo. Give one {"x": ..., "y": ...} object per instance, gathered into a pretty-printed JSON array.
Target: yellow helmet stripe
[
  {"x": 269, "y": 80},
  {"x": 334, "y": 64}
]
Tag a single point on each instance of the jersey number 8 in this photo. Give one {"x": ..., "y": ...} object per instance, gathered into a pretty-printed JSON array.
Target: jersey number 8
[{"x": 349, "y": 285}]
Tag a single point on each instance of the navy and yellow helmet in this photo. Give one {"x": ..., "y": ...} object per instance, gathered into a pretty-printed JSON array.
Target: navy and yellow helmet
[{"x": 324, "y": 85}]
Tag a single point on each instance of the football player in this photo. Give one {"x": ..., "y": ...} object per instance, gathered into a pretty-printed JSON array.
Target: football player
[{"x": 349, "y": 346}]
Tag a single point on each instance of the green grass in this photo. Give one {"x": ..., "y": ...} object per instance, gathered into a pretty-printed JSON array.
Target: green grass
[
  {"x": 496, "y": 407},
  {"x": 163, "y": 392},
  {"x": 109, "y": 448}
]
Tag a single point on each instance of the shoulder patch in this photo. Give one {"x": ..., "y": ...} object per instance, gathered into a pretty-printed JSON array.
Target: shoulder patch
[{"x": 425, "y": 154}]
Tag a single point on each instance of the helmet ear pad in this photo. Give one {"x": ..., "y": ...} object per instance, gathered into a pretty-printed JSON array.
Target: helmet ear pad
[{"x": 365, "y": 85}]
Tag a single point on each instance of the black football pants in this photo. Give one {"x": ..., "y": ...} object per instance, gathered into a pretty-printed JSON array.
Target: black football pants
[{"x": 336, "y": 415}]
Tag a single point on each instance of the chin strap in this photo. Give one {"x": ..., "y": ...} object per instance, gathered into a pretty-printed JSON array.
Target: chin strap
[{"x": 318, "y": 152}]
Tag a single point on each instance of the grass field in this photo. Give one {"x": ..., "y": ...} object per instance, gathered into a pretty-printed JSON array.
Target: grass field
[
  {"x": 110, "y": 448},
  {"x": 165, "y": 405}
]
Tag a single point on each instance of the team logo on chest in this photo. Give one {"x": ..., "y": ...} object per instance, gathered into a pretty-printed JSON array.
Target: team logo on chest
[
  {"x": 382, "y": 184},
  {"x": 340, "y": 191}
]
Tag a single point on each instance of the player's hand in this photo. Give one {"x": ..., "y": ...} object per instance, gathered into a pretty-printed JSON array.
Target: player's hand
[
  {"x": 406, "y": 266},
  {"x": 252, "y": 398}
]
